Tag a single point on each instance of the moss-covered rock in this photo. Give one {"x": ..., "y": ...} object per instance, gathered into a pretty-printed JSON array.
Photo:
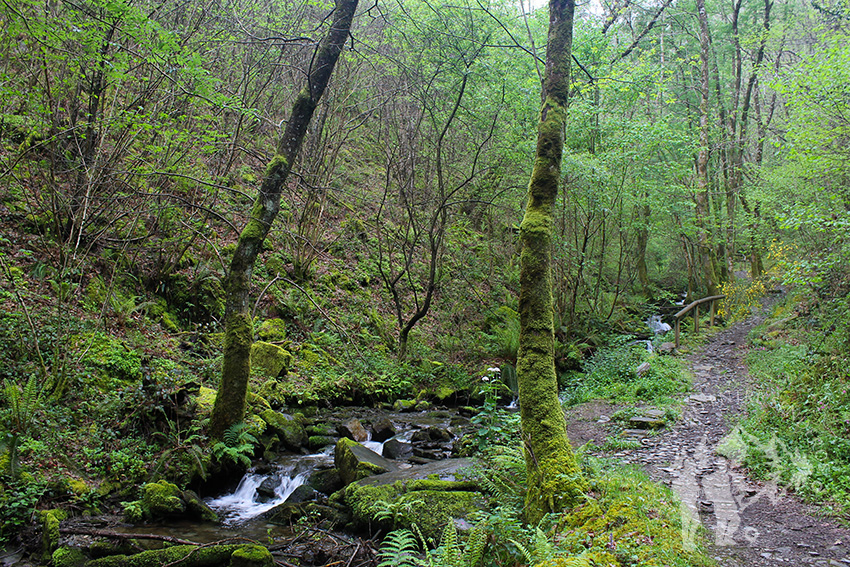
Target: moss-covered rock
[
  {"x": 251, "y": 556},
  {"x": 191, "y": 556},
  {"x": 315, "y": 442},
  {"x": 204, "y": 401},
  {"x": 162, "y": 498},
  {"x": 326, "y": 481},
  {"x": 68, "y": 557},
  {"x": 197, "y": 508},
  {"x": 404, "y": 405},
  {"x": 49, "y": 533},
  {"x": 355, "y": 462},
  {"x": 269, "y": 360},
  {"x": 271, "y": 330},
  {"x": 428, "y": 504},
  {"x": 289, "y": 429}
]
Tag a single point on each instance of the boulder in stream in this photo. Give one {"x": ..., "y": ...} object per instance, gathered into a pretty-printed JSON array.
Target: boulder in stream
[
  {"x": 326, "y": 481},
  {"x": 427, "y": 496},
  {"x": 163, "y": 499},
  {"x": 354, "y": 461},
  {"x": 396, "y": 449},
  {"x": 353, "y": 429},
  {"x": 289, "y": 430},
  {"x": 382, "y": 429}
]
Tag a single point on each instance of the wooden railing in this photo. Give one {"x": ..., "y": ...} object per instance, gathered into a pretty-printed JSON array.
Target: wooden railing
[{"x": 695, "y": 306}]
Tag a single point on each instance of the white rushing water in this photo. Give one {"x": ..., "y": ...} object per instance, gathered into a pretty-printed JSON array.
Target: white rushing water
[
  {"x": 656, "y": 325},
  {"x": 246, "y": 502}
]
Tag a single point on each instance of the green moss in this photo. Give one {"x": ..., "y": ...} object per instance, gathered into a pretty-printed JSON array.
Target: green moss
[
  {"x": 162, "y": 498},
  {"x": 114, "y": 358},
  {"x": 352, "y": 469},
  {"x": 272, "y": 330},
  {"x": 251, "y": 556},
  {"x": 269, "y": 360},
  {"x": 184, "y": 555},
  {"x": 68, "y": 557},
  {"x": 205, "y": 400},
  {"x": 278, "y": 163},
  {"x": 632, "y": 521},
  {"x": 289, "y": 429},
  {"x": 427, "y": 504},
  {"x": 77, "y": 487},
  {"x": 49, "y": 534}
]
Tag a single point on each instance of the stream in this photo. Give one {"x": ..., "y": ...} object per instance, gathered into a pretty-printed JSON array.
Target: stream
[{"x": 268, "y": 485}]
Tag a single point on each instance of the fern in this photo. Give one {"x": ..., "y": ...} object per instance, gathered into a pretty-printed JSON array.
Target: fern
[
  {"x": 473, "y": 553},
  {"x": 399, "y": 549},
  {"x": 22, "y": 407},
  {"x": 237, "y": 445}
]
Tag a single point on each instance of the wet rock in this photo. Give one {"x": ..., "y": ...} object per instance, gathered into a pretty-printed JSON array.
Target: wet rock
[
  {"x": 382, "y": 430},
  {"x": 289, "y": 430},
  {"x": 316, "y": 442},
  {"x": 304, "y": 493},
  {"x": 326, "y": 481},
  {"x": 431, "y": 434},
  {"x": 353, "y": 429},
  {"x": 396, "y": 449},
  {"x": 266, "y": 490},
  {"x": 404, "y": 405},
  {"x": 355, "y": 462}
]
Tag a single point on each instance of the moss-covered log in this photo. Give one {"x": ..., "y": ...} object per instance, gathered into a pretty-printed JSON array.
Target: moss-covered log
[
  {"x": 230, "y": 401},
  {"x": 554, "y": 478}
]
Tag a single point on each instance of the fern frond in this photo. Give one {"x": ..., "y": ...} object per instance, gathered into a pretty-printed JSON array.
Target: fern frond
[
  {"x": 529, "y": 558},
  {"x": 473, "y": 553},
  {"x": 450, "y": 549},
  {"x": 399, "y": 550}
]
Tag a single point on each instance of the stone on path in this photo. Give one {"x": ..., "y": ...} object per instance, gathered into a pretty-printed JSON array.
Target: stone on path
[{"x": 702, "y": 398}]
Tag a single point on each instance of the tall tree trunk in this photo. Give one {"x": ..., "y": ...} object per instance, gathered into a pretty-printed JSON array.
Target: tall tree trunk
[
  {"x": 236, "y": 368},
  {"x": 701, "y": 196},
  {"x": 554, "y": 478}
]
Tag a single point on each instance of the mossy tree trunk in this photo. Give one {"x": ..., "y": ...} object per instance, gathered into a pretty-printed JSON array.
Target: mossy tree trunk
[
  {"x": 554, "y": 479},
  {"x": 701, "y": 197},
  {"x": 230, "y": 400}
]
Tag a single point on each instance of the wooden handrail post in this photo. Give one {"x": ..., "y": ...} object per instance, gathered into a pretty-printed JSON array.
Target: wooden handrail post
[
  {"x": 696, "y": 318},
  {"x": 695, "y": 306}
]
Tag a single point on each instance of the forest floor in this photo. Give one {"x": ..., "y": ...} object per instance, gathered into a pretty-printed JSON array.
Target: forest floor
[{"x": 750, "y": 522}]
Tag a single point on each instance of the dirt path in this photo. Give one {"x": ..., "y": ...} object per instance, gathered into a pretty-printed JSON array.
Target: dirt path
[{"x": 750, "y": 523}]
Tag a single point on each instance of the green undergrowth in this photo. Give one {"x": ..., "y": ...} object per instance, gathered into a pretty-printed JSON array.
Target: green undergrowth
[
  {"x": 626, "y": 372},
  {"x": 625, "y": 520},
  {"x": 797, "y": 430}
]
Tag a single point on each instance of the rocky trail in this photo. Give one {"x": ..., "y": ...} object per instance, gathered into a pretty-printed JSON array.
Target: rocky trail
[{"x": 750, "y": 523}]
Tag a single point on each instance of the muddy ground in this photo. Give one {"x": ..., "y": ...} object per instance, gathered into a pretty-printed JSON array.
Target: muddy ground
[{"x": 750, "y": 523}]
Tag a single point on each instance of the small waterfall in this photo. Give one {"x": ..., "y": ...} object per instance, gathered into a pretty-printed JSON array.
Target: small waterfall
[
  {"x": 246, "y": 501},
  {"x": 656, "y": 325}
]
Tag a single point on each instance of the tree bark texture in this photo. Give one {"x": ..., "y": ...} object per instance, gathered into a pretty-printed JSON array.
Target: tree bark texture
[
  {"x": 236, "y": 368},
  {"x": 701, "y": 196},
  {"x": 554, "y": 479}
]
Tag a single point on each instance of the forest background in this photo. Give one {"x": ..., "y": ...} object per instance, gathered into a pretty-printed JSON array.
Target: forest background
[{"x": 706, "y": 145}]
